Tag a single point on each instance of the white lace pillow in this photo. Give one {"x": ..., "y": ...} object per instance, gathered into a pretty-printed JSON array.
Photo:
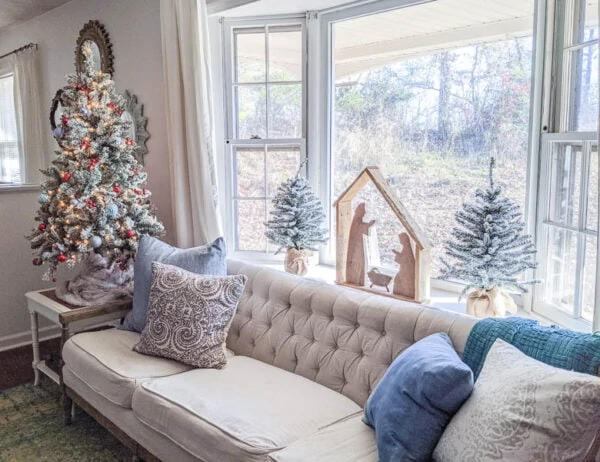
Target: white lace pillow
[
  {"x": 523, "y": 409},
  {"x": 189, "y": 315}
]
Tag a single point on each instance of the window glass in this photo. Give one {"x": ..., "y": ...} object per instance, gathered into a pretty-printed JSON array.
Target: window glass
[
  {"x": 10, "y": 159},
  {"x": 429, "y": 102}
]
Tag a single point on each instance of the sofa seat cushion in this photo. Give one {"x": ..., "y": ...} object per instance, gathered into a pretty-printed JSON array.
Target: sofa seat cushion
[
  {"x": 241, "y": 412},
  {"x": 349, "y": 440},
  {"x": 106, "y": 362}
]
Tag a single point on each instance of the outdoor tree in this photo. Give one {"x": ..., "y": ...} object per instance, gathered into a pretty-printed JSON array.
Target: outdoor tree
[
  {"x": 94, "y": 201},
  {"x": 488, "y": 248}
]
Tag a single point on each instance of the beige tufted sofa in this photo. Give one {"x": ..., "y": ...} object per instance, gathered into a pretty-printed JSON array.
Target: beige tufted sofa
[{"x": 303, "y": 358}]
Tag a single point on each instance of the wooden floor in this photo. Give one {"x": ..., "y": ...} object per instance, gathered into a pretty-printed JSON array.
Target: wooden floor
[{"x": 15, "y": 364}]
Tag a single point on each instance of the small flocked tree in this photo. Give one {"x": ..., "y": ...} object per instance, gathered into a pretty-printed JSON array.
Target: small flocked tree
[
  {"x": 297, "y": 217},
  {"x": 94, "y": 200},
  {"x": 488, "y": 247}
]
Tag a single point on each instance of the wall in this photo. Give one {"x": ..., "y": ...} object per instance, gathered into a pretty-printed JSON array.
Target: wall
[{"x": 134, "y": 30}]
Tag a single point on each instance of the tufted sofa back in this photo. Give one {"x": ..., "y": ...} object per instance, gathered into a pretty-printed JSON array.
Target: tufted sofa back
[{"x": 339, "y": 337}]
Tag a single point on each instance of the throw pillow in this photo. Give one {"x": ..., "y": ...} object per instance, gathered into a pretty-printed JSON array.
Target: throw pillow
[
  {"x": 205, "y": 259},
  {"x": 523, "y": 409},
  {"x": 189, "y": 315},
  {"x": 416, "y": 398}
]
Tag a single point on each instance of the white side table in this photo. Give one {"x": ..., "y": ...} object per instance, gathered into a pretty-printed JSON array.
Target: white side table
[{"x": 71, "y": 318}]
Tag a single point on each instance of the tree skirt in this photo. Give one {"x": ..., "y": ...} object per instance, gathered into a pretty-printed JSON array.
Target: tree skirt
[{"x": 32, "y": 429}]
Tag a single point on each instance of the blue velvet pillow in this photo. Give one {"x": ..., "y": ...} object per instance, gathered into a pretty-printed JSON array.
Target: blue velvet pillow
[
  {"x": 205, "y": 259},
  {"x": 416, "y": 398}
]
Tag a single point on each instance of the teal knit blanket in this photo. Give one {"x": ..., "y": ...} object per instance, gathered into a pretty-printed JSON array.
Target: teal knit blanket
[{"x": 552, "y": 345}]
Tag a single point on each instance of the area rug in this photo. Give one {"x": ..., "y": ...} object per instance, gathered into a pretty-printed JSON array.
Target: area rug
[{"x": 32, "y": 430}]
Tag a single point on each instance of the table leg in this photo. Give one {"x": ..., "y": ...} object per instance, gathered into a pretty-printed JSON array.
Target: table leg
[{"x": 35, "y": 343}]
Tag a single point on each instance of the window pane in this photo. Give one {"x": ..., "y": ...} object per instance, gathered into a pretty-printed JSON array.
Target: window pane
[
  {"x": 283, "y": 163},
  {"x": 589, "y": 278},
  {"x": 565, "y": 184},
  {"x": 592, "y": 207},
  {"x": 584, "y": 62},
  {"x": 560, "y": 282},
  {"x": 429, "y": 106},
  {"x": 285, "y": 55},
  {"x": 250, "y": 56},
  {"x": 285, "y": 111},
  {"x": 250, "y": 172},
  {"x": 10, "y": 163},
  {"x": 250, "y": 225},
  {"x": 251, "y": 113},
  {"x": 590, "y": 29}
]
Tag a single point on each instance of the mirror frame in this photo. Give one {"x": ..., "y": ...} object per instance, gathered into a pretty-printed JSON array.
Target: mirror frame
[
  {"x": 140, "y": 122},
  {"x": 94, "y": 31},
  {"x": 54, "y": 106}
]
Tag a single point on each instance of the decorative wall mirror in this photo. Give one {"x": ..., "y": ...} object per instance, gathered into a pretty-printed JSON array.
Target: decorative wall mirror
[
  {"x": 134, "y": 113},
  {"x": 56, "y": 109},
  {"x": 96, "y": 34}
]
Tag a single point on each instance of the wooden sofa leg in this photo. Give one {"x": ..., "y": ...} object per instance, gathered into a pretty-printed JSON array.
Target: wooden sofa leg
[{"x": 68, "y": 409}]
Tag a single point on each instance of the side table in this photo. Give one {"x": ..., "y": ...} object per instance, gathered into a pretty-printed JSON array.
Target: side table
[{"x": 71, "y": 318}]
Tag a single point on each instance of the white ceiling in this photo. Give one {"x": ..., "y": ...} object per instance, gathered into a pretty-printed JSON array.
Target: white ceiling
[{"x": 16, "y": 11}]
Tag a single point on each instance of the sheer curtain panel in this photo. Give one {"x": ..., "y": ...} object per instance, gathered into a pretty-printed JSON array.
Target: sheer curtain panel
[{"x": 186, "y": 69}]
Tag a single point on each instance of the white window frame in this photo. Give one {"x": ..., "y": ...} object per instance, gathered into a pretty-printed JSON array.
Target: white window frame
[
  {"x": 557, "y": 111},
  {"x": 231, "y": 143}
]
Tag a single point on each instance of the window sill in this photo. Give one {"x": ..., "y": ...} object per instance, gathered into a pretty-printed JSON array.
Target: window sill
[{"x": 18, "y": 187}]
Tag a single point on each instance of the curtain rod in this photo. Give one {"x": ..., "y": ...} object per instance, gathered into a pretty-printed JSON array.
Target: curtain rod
[{"x": 23, "y": 48}]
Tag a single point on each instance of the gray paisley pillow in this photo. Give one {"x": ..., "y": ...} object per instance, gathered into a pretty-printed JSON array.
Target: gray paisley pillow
[
  {"x": 524, "y": 410},
  {"x": 189, "y": 315}
]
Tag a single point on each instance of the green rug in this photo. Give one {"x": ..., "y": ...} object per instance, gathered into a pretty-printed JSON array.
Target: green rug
[{"x": 32, "y": 429}]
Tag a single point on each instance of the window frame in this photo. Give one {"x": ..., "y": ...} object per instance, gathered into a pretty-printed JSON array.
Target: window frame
[{"x": 229, "y": 25}]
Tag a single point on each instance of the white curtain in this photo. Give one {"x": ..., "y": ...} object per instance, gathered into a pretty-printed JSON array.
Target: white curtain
[
  {"x": 28, "y": 108},
  {"x": 186, "y": 69}
]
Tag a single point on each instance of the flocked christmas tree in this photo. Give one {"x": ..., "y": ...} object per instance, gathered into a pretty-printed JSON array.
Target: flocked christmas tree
[
  {"x": 488, "y": 247},
  {"x": 94, "y": 202},
  {"x": 297, "y": 217}
]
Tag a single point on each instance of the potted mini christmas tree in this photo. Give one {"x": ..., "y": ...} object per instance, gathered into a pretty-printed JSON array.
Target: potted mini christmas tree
[
  {"x": 296, "y": 223},
  {"x": 488, "y": 250},
  {"x": 94, "y": 205}
]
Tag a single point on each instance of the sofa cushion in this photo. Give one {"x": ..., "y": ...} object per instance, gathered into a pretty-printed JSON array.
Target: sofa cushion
[
  {"x": 347, "y": 440},
  {"x": 240, "y": 412},
  {"x": 205, "y": 259},
  {"x": 189, "y": 315},
  {"x": 416, "y": 398},
  {"x": 523, "y": 409},
  {"x": 105, "y": 361}
]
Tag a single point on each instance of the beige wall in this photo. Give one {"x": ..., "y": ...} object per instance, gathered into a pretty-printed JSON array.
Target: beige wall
[{"x": 134, "y": 30}]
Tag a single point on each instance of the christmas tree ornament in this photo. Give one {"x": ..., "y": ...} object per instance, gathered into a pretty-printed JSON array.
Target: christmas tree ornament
[
  {"x": 77, "y": 199},
  {"x": 116, "y": 189},
  {"x": 296, "y": 223},
  {"x": 112, "y": 210},
  {"x": 42, "y": 227},
  {"x": 130, "y": 233},
  {"x": 36, "y": 262},
  {"x": 488, "y": 250},
  {"x": 129, "y": 141},
  {"x": 95, "y": 241},
  {"x": 58, "y": 132}
]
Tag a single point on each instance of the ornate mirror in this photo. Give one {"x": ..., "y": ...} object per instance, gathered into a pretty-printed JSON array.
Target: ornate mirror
[
  {"x": 95, "y": 33},
  {"x": 134, "y": 113},
  {"x": 56, "y": 110}
]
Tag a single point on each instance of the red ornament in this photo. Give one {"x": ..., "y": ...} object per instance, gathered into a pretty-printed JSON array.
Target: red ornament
[
  {"x": 42, "y": 226},
  {"x": 53, "y": 279},
  {"x": 144, "y": 191},
  {"x": 117, "y": 189},
  {"x": 130, "y": 233},
  {"x": 62, "y": 258},
  {"x": 66, "y": 177},
  {"x": 93, "y": 162},
  {"x": 85, "y": 144},
  {"x": 122, "y": 267},
  {"x": 129, "y": 141},
  {"x": 36, "y": 262},
  {"x": 90, "y": 203},
  {"x": 64, "y": 119}
]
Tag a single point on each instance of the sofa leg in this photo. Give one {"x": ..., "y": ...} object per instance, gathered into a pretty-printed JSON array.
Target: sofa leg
[{"x": 68, "y": 409}]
